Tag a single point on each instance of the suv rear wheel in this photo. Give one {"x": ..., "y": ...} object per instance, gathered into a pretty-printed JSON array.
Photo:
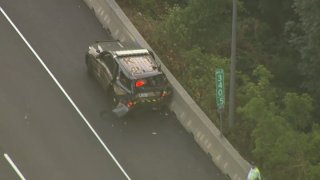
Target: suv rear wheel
[
  {"x": 113, "y": 97},
  {"x": 89, "y": 66}
]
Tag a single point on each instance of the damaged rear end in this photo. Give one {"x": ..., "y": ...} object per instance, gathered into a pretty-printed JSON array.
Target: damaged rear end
[{"x": 148, "y": 93}]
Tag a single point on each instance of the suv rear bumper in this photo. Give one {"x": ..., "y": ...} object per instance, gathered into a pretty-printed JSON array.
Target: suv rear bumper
[{"x": 130, "y": 106}]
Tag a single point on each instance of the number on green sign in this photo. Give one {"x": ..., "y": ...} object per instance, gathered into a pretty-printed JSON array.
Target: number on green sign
[{"x": 220, "y": 88}]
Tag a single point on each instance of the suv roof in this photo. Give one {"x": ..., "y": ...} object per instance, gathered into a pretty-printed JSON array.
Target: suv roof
[
  {"x": 114, "y": 45},
  {"x": 134, "y": 61}
]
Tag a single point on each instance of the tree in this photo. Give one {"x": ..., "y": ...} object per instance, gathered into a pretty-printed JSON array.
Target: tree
[
  {"x": 277, "y": 126},
  {"x": 313, "y": 171},
  {"x": 305, "y": 35},
  {"x": 273, "y": 12},
  {"x": 200, "y": 77},
  {"x": 298, "y": 111},
  {"x": 203, "y": 23}
]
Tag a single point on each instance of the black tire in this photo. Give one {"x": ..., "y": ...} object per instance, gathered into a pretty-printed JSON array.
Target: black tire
[
  {"x": 113, "y": 97},
  {"x": 89, "y": 67},
  {"x": 110, "y": 91}
]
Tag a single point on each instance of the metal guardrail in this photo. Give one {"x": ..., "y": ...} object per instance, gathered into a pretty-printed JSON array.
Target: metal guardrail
[{"x": 194, "y": 120}]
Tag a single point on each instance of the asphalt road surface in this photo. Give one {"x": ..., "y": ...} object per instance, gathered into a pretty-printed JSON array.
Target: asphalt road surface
[
  {"x": 44, "y": 134},
  {"x": 39, "y": 128}
]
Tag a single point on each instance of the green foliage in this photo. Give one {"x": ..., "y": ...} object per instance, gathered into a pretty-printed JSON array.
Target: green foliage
[
  {"x": 273, "y": 12},
  {"x": 314, "y": 146},
  {"x": 254, "y": 96},
  {"x": 199, "y": 77},
  {"x": 155, "y": 8},
  {"x": 287, "y": 158},
  {"x": 185, "y": 28},
  {"x": 313, "y": 155},
  {"x": 262, "y": 40},
  {"x": 258, "y": 85},
  {"x": 174, "y": 31},
  {"x": 298, "y": 110},
  {"x": 276, "y": 124},
  {"x": 305, "y": 35},
  {"x": 313, "y": 173},
  {"x": 250, "y": 50}
]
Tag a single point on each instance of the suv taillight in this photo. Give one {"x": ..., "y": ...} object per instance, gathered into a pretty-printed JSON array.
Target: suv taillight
[
  {"x": 129, "y": 104},
  {"x": 164, "y": 93},
  {"x": 140, "y": 83}
]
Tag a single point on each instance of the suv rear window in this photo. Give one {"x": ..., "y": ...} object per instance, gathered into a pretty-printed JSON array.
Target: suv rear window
[{"x": 157, "y": 81}]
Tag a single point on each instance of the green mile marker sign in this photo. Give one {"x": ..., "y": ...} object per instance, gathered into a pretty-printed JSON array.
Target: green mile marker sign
[{"x": 220, "y": 88}]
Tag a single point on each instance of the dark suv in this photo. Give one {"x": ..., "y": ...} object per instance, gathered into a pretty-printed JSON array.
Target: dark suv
[{"x": 129, "y": 74}]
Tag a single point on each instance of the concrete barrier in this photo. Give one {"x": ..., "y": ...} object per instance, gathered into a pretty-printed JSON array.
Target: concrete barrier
[{"x": 187, "y": 111}]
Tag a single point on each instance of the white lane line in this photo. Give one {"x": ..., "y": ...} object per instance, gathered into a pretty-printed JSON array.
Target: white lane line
[
  {"x": 65, "y": 93},
  {"x": 14, "y": 166}
]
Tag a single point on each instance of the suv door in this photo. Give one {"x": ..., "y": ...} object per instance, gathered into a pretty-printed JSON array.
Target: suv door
[
  {"x": 92, "y": 65},
  {"x": 108, "y": 69}
]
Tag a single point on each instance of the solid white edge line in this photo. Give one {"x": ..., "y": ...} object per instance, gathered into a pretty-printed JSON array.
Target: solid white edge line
[
  {"x": 65, "y": 93},
  {"x": 14, "y": 166}
]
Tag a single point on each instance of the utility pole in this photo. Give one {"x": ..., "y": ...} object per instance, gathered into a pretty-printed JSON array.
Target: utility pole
[{"x": 233, "y": 66}]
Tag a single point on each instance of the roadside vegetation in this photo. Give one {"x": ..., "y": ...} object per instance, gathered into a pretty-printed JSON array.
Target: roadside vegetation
[{"x": 278, "y": 70}]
